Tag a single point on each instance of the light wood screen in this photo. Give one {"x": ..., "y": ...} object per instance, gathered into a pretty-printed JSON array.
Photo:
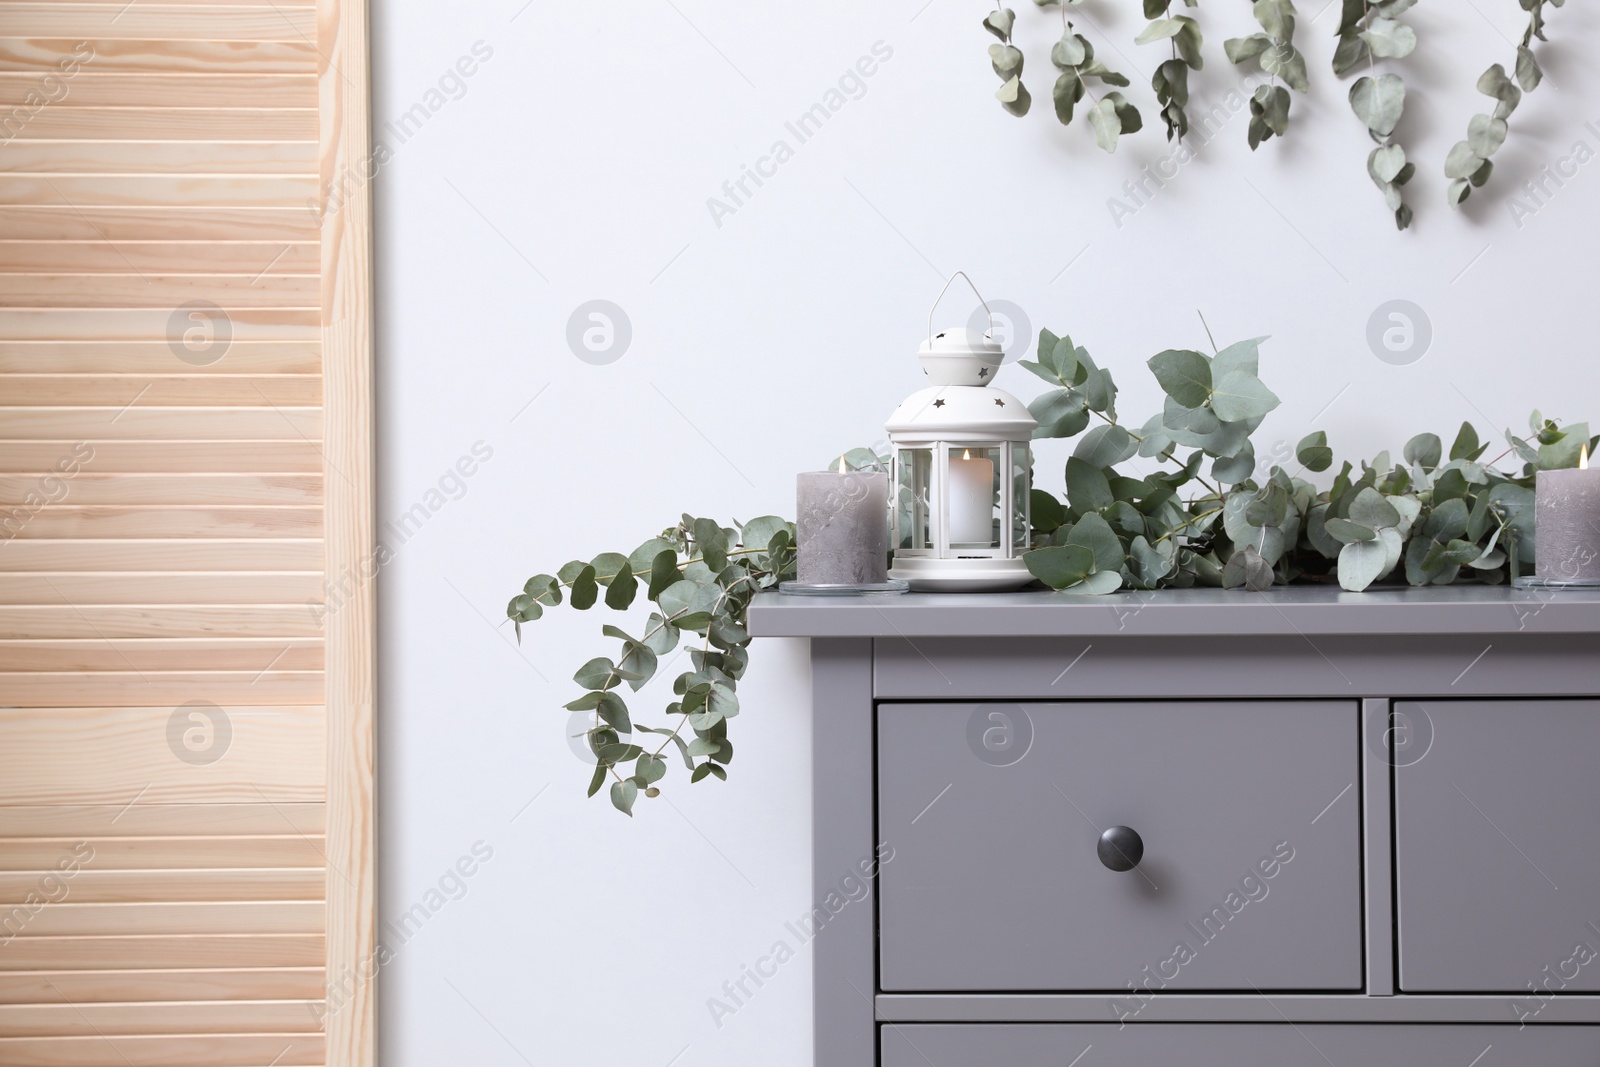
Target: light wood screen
[{"x": 186, "y": 710}]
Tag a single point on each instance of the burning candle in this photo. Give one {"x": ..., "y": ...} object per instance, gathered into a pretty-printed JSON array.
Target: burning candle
[
  {"x": 971, "y": 506},
  {"x": 1567, "y": 523},
  {"x": 842, "y": 535}
]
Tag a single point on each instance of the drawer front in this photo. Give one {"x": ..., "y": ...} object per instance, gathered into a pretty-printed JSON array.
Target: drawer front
[
  {"x": 1249, "y": 815},
  {"x": 1241, "y": 1045},
  {"x": 1497, "y": 848}
]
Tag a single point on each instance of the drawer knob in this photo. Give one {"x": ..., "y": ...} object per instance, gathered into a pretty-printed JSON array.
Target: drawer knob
[{"x": 1120, "y": 848}]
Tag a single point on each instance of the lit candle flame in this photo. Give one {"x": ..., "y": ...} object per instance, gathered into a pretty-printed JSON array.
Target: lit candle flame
[
  {"x": 1583, "y": 457},
  {"x": 966, "y": 453},
  {"x": 841, "y": 465}
]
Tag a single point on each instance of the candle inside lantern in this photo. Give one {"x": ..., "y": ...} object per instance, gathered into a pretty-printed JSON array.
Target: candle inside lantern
[
  {"x": 971, "y": 504},
  {"x": 842, "y": 534},
  {"x": 1567, "y": 523}
]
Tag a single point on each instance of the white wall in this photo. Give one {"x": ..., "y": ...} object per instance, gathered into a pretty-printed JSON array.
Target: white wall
[{"x": 577, "y": 165}]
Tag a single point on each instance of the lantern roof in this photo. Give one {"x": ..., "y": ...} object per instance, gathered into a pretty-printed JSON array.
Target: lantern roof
[
  {"x": 960, "y": 362},
  {"x": 942, "y": 412}
]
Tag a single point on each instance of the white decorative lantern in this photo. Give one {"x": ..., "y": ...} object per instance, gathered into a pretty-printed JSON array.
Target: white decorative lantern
[{"x": 961, "y": 482}]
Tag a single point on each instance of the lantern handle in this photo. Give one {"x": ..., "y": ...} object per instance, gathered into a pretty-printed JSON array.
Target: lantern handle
[{"x": 963, "y": 276}]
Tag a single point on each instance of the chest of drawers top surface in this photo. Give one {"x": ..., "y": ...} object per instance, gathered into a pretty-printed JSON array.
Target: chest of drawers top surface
[{"x": 1303, "y": 610}]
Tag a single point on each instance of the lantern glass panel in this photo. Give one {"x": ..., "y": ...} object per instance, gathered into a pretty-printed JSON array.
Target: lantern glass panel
[
  {"x": 1021, "y": 469},
  {"x": 914, "y": 480},
  {"x": 972, "y": 496}
]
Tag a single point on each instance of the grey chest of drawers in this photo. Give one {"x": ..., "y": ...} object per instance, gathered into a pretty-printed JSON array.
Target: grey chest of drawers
[{"x": 1300, "y": 828}]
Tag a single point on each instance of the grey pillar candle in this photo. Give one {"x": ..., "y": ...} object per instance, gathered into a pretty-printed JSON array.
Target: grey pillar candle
[
  {"x": 1567, "y": 525},
  {"x": 843, "y": 530}
]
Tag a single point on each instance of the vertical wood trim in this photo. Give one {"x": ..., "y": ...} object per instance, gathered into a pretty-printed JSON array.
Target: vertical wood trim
[
  {"x": 1377, "y": 769},
  {"x": 348, "y": 452},
  {"x": 844, "y": 961}
]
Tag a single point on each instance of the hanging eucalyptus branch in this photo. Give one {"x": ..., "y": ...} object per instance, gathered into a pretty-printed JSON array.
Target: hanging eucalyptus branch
[
  {"x": 1111, "y": 115},
  {"x": 1006, "y": 59},
  {"x": 1171, "y": 79},
  {"x": 1469, "y": 165},
  {"x": 1274, "y": 49},
  {"x": 1369, "y": 31},
  {"x": 1429, "y": 519}
]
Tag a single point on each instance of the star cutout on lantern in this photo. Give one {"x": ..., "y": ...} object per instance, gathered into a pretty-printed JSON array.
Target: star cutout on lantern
[
  {"x": 983, "y": 372},
  {"x": 999, "y": 403},
  {"x": 938, "y": 403}
]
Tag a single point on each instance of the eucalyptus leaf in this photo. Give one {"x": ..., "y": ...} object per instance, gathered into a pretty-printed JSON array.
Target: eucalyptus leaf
[
  {"x": 1184, "y": 375},
  {"x": 1241, "y": 395},
  {"x": 585, "y": 590},
  {"x": 1313, "y": 452},
  {"x": 1060, "y": 566},
  {"x": 1247, "y": 569},
  {"x": 1088, "y": 488},
  {"x": 1379, "y": 102},
  {"x": 623, "y": 794},
  {"x": 1361, "y": 563}
]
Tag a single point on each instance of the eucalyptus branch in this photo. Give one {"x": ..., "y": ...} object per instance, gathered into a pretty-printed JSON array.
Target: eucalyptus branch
[
  {"x": 1275, "y": 51},
  {"x": 1171, "y": 79},
  {"x": 1111, "y": 115},
  {"x": 1006, "y": 59},
  {"x": 1369, "y": 31},
  {"x": 1469, "y": 164}
]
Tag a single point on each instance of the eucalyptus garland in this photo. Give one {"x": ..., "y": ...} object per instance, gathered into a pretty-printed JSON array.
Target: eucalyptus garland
[
  {"x": 1369, "y": 31},
  {"x": 1204, "y": 517}
]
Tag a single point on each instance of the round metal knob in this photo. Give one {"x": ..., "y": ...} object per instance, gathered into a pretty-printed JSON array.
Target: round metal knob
[{"x": 1120, "y": 848}]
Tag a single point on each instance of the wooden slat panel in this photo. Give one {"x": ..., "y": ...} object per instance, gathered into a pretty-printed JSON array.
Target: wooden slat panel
[
  {"x": 108, "y": 755},
  {"x": 160, "y": 820},
  {"x": 242, "y": 554},
  {"x": 133, "y": 420},
  {"x": 156, "y": 157},
  {"x": 162, "y": 689},
  {"x": 64, "y": 520},
  {"x": 146, "y": 587},
  {"x": 151, "y": 324},
  {"x": 157, "y": 290},
  {"x": 89, "y": 88},
  {"x": 118, "y": 953},
  {"x": 204, "y": 57},
  {"x": 70, "y": 918},
  {"x": 91, "y": 987},
  {"x": 188, "y": 621},
  {"x": 194, "y": 1017},
  {"x": 32, "y": 390},
  {"x": 125, "y": 887},
  {"x": 156, "y": 654},
  {"x": 162, "y": 853},
  {"x": 157, "y": 22},
  {"x": 36, "y": 456},
  {"x": 153, "y": 588},
  {"x": 199, "y": 3},
  {"x": 158, "y": 257},
  {"x": 95, "y": 488},
  {"x": 169, "y": 123},
  {"x": 229, "y": 190},
  {"x": 89, "y": 222},
  {"x": 234, "y": 1050},
  {"x": 91, "y": 359}
]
